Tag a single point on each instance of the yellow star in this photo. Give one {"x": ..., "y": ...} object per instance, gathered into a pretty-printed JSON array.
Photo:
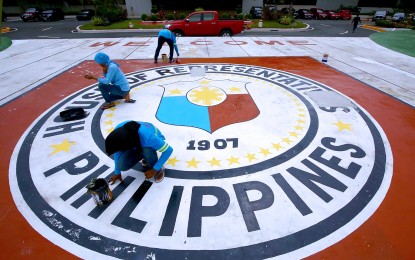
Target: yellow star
[
  {"x": 343, "y": 126},
  {"x": 286, "y": 140},
  {"x": 109, "y": 122},
  {"x": 109, "y": 115},
  {"x": 277, "y": 146},
  {"x": 204, "y": 82},
  {"x": 192, "y": 163},
  {"x": 175, "y": 92},
  {"x": 250, "y": 157},
  {"x": 301, "y": 115},
  {"x": 64, "y": 146},
  {"x": 298, "y": 127},
  {"x": 235, "y": 89},
  {"x": 214, "y": 162},
  {"x": 293, "y": 134},
  {"x": 265, "y": 152},
  {"x": 301, "y": 121},
  {"x": 233, "y": 160},
  {"x": 172, "y": 161},
  {"x": 110, "y": 130}
]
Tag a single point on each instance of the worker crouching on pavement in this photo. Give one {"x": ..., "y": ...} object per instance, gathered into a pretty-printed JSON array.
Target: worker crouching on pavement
[
  {"x": 113, "y": 85},
  {"x": 134, "y": 141}
]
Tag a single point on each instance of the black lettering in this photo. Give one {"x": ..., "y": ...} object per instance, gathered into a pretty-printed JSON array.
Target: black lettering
[
  {"x": 266, "y": 73},
  {"x": 83, "y": 104},
  {"x": 320, "y": 176},
  {"x": 287, "y": 81},
  {"x": 250, "y": 70},
  {"x": 65, "y": 129},
  {"x": 123, "y": 219},
  {"x": 170, "y": 217},
  {"x": 226, "y": 68},
  {"x": 96, "y": 96},
  {"x": 248, "y": 208},
  {"x": 179, "y": 70},
  {"x": 198, "y": 211},
  {"x": 239, "y": 69},
  {"x": 163, "y": 72},
  {"x": 211, "y": 68},
  {"x": 71, "y": 168}
]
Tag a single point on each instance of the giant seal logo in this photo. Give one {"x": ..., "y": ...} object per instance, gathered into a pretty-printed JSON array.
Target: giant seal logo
[{"x": 265, "y": 164}]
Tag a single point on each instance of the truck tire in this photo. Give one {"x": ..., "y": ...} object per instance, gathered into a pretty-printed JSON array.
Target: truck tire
[
  {"x": 225, "y": 33},
  {"x": 178, "y": 33}
]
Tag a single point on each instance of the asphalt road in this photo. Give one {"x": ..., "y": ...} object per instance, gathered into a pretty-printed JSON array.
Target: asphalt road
[{"x": 66, "y": 29}]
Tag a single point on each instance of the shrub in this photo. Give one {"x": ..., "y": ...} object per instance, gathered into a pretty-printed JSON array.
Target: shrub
[
  {"x": 225, "y": 16},
  {"x": 286, "y": 20},
  {"x": 111, "y": 13},
  {"x": 199, "y": 9},
  {"x": 182, "y": 16},
  {"x": 248, "y": 17},
  {"x": 240, "y": 16},
  {"x": 96, "y": 20},
  {"x": 153, "y": 17},
  {"x": 144, "y": 17},
  {"x": 170, "y": 16}
]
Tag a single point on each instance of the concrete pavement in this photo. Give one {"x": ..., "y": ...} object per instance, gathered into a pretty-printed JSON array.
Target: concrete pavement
[{"x": 276, "y": 153}]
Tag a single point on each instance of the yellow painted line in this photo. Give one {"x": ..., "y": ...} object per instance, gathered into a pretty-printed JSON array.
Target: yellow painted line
[{"x": 374, "y": 28}]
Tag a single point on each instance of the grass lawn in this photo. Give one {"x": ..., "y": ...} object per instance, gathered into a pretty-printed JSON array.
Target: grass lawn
[
  {"x": 4, "y": 43},
  {"x": 400, "y": 40},
  {"x": 122, "y": 25},
  {"x": 137, "y": 25}
]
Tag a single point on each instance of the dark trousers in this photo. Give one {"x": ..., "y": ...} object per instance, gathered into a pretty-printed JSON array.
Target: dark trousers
[{"x": 161, "y": 41}]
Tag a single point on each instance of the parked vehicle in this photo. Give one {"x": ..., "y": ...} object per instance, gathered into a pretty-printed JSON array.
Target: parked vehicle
[
  {"x": 332, "y": 15},
  {"x": 53, "y": 14},
  {"x": 304, "y": 14},
  {"x": 205, "y": 23},
  {"x": 379, "y": 15},
  {"x": 32, "y": 14},
  {"x": 318, "y": 13},
  {"x": 85, "y": 14},
  {"x": 398, "y": 17},
  {"x": 345, "y": 14},
  {"x": 256, "y": 11},
  {"x": 286, "y": 10}
]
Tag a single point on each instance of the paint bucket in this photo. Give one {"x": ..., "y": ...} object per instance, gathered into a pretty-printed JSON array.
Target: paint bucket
[
  {"x": 99, "y": 191},
  {"x": 325, "y": 57},
  {"x": 164, "y": 57}
]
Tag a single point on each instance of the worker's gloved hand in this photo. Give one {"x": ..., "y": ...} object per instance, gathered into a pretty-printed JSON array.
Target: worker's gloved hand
[{"x": 114, "y": 178}]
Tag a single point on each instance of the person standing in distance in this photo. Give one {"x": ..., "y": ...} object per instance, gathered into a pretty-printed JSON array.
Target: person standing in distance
[
  {"x": 134, "y": 141},
  {"x": 113, "y": 85},
  {"x": 166, "y": 35},
  {"x": 355, "y": 22}
]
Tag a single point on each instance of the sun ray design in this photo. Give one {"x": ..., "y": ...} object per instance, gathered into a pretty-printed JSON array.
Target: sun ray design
[{"x": 206, "y": 96}]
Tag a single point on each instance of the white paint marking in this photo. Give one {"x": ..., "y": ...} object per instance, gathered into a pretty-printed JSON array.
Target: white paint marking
[
  {"x": 344, "y": 32},
  {"x": 46, "y": 29},
  {"x": 385, "y": 66}
]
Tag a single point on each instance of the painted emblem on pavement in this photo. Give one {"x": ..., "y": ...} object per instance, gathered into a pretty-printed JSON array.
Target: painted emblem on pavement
[{"x": 265, "y": 164}]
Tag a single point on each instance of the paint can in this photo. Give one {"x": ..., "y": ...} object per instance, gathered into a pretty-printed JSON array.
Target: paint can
[
  {"x": 164, "y": 57},
  {"x": 99, "y": 191},
  {"x": 325, "y": 57}
]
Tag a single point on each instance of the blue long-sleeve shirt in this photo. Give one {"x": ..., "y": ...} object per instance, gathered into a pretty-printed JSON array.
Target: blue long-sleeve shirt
[
  {"x": 149, "y": 136},
  {"x": 166, "y": 33},
  {"x": 115, "y": 77}
]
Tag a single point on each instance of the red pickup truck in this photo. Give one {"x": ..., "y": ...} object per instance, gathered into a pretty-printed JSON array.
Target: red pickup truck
[{"x": 205, "y": 23}]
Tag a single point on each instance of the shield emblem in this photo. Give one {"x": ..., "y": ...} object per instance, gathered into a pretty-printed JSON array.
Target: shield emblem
[{"x": 206, "y": 104}]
